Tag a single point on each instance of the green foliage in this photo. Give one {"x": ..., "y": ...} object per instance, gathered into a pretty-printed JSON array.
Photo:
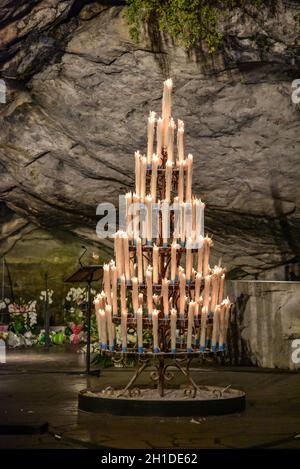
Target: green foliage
[{"x": 187, "y": 21}]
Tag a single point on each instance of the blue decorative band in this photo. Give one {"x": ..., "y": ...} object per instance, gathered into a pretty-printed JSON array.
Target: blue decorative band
[
  {"x": 112, "y": 348},
  {"x": 173, "y": 350},
  {"x": 202, "y": 349},
  {"x": 124, "y": 349},
  {"x": 103, "y": 346},
  {"x": 140, "y": 350},
  {"x": 197, "y": 342},
  {"x": 189, "y": 350},
  {"x": 213, "y": 348},
  {"x": 156, "y": 350}
]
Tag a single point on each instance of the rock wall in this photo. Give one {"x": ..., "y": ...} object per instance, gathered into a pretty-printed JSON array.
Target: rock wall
[
  {"x": 265, "y": 321},
  {"x": 79, "y": 92}
]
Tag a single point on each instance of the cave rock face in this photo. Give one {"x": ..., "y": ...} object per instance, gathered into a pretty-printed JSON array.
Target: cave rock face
[{"x": 78, "y": 94}]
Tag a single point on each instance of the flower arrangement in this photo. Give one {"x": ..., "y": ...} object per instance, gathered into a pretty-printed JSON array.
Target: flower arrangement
[
  {"x": 23, "y": 316},
  {"x": 50, "y": 296}
]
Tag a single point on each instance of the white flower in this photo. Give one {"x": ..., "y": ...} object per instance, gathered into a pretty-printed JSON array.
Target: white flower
[
  {"x": 2, "y": 305},
  {"x": 7, "y": 300}
]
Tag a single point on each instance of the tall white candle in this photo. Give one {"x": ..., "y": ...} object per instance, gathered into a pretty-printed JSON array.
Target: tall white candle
[
  {"x": 135, "y": 294},
  {"x": 114, "y": 281},
  {"x": 126, "y": 256},
  {"x": 123, "y": 294},
  {"x": 165, "y": 217},
  {"x": 221, "y": 291},
  {"x": 206, "y": 251},
  {"x": 151, "y": 124},
  {"x": 173, "y": 329},
  {"x": 124, "y": 330},
  {"x": 169, "y": 169},
  {"x": 139, "y": 329},
  {"x": 189, "y": 260},
  {"x": 182, "y": 222},
  {"x": 97, "y": 308},
  {"x": 181, "y": 181},
  {"x": 174, "y": 247},
  {"x": 129, "y": 227},
  {"x": 171, "y": 140},
  {"x": 143, "y": 177},
  {"x": 159, "y": 137},
  {"x": 204, "y": 315},
  {"x": 103, "y": 329},
  {"x": 106, "y": 282},
  {"x": 149, "y": 291},
  {"x": 137, "y": 157},
  {"x": 109, "y": 327},
  {"x": 155, "y": 330},
  {"x": 140, "y": 260},
  {"x": 182, "y": 284},
  {"x": 155, "y": 162},
  {"x": 155, "y": 260},
  {"x": 190, "y": 326},
  {"x": 148, "y": 201},
  {"x": 206, "y": 292},
  {"x": 167, "y": 98},
  {"x": 215, "y": 331},
  {"x": 135, "y": 216},
  {"x": 198, "y": 280},
  {"x": 180, "y": 142},
  {"x": 165, "y": 296},
  {"x": 200, "y": 260},
  {"x": 189, "y": 173}
]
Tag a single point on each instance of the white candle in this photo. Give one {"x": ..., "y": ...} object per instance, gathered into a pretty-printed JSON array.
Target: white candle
[
  {"x": 215, "y": 331},
  {"x": 180, "y": 142},
  {"x": 151, "y": 124},
  {"x": 206, "y": 293},
  {"x": 123, "y": 294},
  {"x": 169, "y": 169},
  {"x": 200, "y": 260},
  {"x": 165, "y": 296},
  {"x": 216, "y": 277},
  {"x": 128, "y": 202},
  {"x": 137, "y": 157},
  {"x": 148, "y": 201},
  {"x": 176, "y": 211},
  {"x": 199, "y": 218},
  {"x": 141, "y": 300},
  {"x": 167, "y": 98},
  {"x": 182, "y": 284},
  {"x": 140, "y": 260},
  {"x": 155, "y": 260},
  {"x": 165, "y": 217},
  {"x": 155, "y": 162},
  {"x": 189, "y": 259},
  {"x": 149, "y": 291},
  {"x": 155, "y": 330},
  {"x": 189, "y": 171},
  {"x": 124, "y": 330},
  {"x": 126, "y": 256},
  {"x": 173, "y": 329},
  {"x": 159, "y": 137},
  {"x": 198, "y": 280},
  {"x": 190, "y": 326},
  {"x": 135, "y": 208},
  {"x": 103, "y": 334},
  {"x": 109, "y": 327},
  {"x": 135, "y": 294},
  {"x": 139, "y": 329},
  {"x": 114, "y": 281},
  {"x": 174, "y": 247},
  {"x": 119, "y": 253},
  {"x": 97, "y": 308},
  {"x": 143, "y": 177},
  {"x": 221, "y": 291},
  {"x": 181, "y": 181},
  {"x": 106, "y": 282},
  {"x": 171, "y": 140},
  {"x": 206, "y": 247},
  {"x": 204, "y": 314},
  {"x": 182, "y": 222}
]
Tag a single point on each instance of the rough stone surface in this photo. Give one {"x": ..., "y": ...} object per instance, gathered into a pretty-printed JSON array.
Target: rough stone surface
[
  {"x": 264, "y": 323},
  {"x": 79, "y": 92}
]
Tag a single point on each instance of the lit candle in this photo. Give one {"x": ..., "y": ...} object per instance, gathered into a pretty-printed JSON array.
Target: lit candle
[
  {"x": 190, "y": 326},
  {"x": 199, "y": 216},
  {"x": 221, "y": 291},
  {"x": 215, "y": 279},
  {"x": 140, "y": 260},
  {"x": 181, "y": 181},
  {"x": 189, "y": 171},
  {"x": 200, "y": 260},
  {"x": 155, "y": 330},
  {"x": 227, "y": 317},
  {"x": 143, "y": 177},
  {"x": 124, "y": 330},
  {"x": 169, "y": 169},
  {"x": 114, "y": 281},
  {"x": 119, "y": 253},
  {"x": 126, "y": 256},
  {"x": 182, "y": 284},
  {"x": 149, "y": 291},
  {"x": 109, "y": 327},
  {"x": 173, "y": 329},
  {"x": 135, "y": 294},
  {"x": 171, "y": 129},
  {"x": 198, "y": 280},
  {"x": 165, "y": 296},
  {"x": 106, "y": 282},
  {"x": 180, "y": 142},
  {"x": 141, "y": 300},
  {"x": 97, "y": 308},
  {"x": 174, "y": 247},
  {"x": 167, "y": 98},
  {"x": 155, "y": 257},
  {"x": 123, "y": 294},
  {"x": 189, "y": 260},
  {"x": 159, "y": 137},
  {"x": 176, "y": 212},
  {"x": 148, "y": 201},
  {"x": 139, "y": 329},
  {"x": 151, "y": 124},
  {"x": 137, "y": 157},
  {"x": 135, "y": 208},
  {"x": 215, "y": 331},
  {"x": 206, "y": 247},
  {"x": 103, "y": 334},
  {"x": 128, "y": 202},
  {"x": 206, "y": 297},
  {"x": 182, "y": 223},
  {"x": 155, "y": 162},
  {"x": 156, "y": 301},
  {"x": 204, "y": 314}
]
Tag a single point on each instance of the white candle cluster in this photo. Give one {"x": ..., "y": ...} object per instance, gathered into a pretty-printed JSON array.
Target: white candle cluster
[{"x": 161, "y": 273}]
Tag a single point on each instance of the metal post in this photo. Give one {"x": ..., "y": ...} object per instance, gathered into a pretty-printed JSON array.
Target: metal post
[
  {"x": 88, "y": 340},
  {"x": 46, "y": 317}
]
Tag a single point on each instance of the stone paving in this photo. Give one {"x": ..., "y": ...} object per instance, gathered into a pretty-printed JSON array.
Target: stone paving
[{"x": 43, "y": 387}]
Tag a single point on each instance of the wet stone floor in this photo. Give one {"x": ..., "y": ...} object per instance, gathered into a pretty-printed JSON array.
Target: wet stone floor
[{"x": 38, "y": 387}]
